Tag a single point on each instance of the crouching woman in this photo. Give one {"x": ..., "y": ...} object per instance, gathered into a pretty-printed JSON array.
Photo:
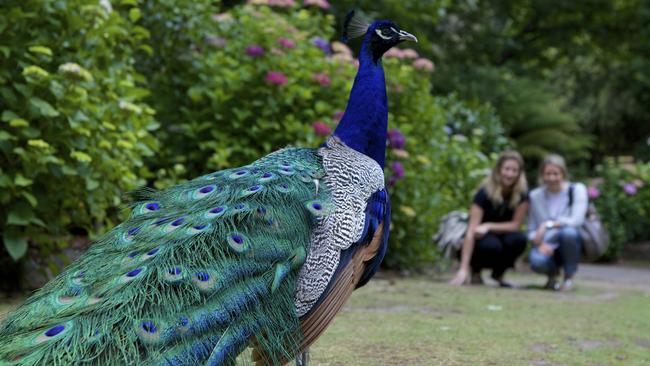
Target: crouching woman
[
  {"x": 557, "y": 210},
  {"x": 493, "y": 239}
]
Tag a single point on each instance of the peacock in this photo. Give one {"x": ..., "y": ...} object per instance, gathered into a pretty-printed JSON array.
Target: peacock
[{"x": 257, "y": 258}]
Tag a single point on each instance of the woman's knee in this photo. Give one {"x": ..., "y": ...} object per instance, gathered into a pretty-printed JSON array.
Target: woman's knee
[
  {"x": 516, "y": 242},
  {"x": 488, "y": 243},
  {"x": 569, "y": 234},
  {"x": 539, "y": 262}
]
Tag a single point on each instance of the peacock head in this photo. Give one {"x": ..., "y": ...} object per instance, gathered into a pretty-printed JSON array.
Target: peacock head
[{"x": 379, "y": 36}]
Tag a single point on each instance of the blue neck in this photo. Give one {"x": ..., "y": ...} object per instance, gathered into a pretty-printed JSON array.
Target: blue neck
[{"x": 365, "y": 122}]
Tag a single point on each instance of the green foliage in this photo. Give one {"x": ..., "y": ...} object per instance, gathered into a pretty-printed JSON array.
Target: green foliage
[
  {"x": 73, "y": 128},
  {"x": 442, "y": 172},
  {"x": 534, "y": 118},
  {"x": 468, "y": 119},
  {"x": 216, "y": 103},
  {"x": 622, "y": 196}
]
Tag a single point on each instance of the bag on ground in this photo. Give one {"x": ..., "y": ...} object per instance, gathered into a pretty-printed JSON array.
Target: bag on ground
[{"x": 451, "y": 233}]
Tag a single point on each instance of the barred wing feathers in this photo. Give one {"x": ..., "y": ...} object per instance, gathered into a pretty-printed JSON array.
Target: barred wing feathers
[{"x": 196, "y": 272}]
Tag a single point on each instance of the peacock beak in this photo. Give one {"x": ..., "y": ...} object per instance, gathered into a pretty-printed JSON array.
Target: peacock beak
[{"x": 406, "y": 36}]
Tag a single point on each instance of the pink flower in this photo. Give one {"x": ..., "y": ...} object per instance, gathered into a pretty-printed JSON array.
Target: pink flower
[
  {"x": 597, "y": 181},
  {"x": 593, "y": 192},
  {"x": 286, "y": 43},
  {"x": 282, "y": 3},
  {"x": 277, "y": 78},
  {"x": 410, "y": 53},
  {"x": 278, "y": 3},
  {"x": 338, "y": 116},
  {"x": 222, "y": 17},
  {"x": 323, "y": 4},
  {"x": 322, "y": 79},
  {"x": 254, "y": 51},
  {"x": 630, "y": 189},
  {"x": 424, "y": 64},
  {"x": 277, "y": 51},
  {"x": 321, "y": 129},
  {"x": 397, "y": 88},
  {"x": 394, "y": 52},
  {"x": 216, "y": 41},
  {"x": 340, "y": 47}
]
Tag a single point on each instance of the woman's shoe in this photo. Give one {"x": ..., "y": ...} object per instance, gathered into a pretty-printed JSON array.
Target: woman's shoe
[
  {"x": 476, "y": 279},
  {"x": 502, "y": 282},
  {"x": 567, "y": 285},
  {"x": 552, "y": 284}
]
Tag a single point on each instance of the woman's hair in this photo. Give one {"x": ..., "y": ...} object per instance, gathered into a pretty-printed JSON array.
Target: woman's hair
[
  {"x": 553, "y": 159},
  {"x": 493, "y": 186}
]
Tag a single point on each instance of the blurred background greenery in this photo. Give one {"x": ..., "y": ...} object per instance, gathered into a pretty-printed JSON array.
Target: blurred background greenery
[{"x": 98, "y": 98}]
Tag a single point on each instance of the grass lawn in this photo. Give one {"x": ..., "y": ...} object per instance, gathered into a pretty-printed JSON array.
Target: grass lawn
[
  {"x": 420, "y": 321},
  {"x": 417, "y": 321}
]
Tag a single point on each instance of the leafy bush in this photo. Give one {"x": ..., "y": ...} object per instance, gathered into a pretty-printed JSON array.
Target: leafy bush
[
  {"x": 441, "y": 170},
  {"x": 73, "y": 127},
  {"x": 622, "y": 196},
  {"x": 467, "y": 118},
  {"x": 227, "y": 88}
]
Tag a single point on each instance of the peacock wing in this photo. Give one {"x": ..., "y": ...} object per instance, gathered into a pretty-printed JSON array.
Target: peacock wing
[{"x": 195, "y": 272}]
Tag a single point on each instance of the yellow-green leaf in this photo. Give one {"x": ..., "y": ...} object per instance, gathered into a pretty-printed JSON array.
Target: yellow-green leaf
[
  {"x": 134, "y": 14},
  {"x": 125, "y": 144},
  {"x": 41, "y": 49},
  {"x": 21, "y": 181},
  {"x": 18, "y": 122},
  {"x": 38, "y": 143},
  {"x": 408, "y": 211},
  {"x": 81, "y": 156},
  {"x": 35, "y": 72}
]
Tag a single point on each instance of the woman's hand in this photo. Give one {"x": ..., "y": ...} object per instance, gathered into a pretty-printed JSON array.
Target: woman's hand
[
  {"x": 481, "y": 230},
  {"x": 461, "y": 277},
  {"x": 546, "y": 249},
  {"x": 539, "y": 234}
]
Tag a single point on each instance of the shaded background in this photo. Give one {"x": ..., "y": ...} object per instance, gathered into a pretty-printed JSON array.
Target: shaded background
[{"x": 99, "y": 98}]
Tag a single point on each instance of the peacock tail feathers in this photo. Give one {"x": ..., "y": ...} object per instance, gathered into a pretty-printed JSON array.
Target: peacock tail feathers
[{"x": 196, "y": 272}]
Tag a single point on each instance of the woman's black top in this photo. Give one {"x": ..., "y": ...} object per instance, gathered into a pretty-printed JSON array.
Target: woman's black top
[{"x": 500, "y": 213}]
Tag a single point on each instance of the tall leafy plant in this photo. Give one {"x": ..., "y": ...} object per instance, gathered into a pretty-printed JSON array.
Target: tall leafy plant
[{"x": 73, "y": 127}]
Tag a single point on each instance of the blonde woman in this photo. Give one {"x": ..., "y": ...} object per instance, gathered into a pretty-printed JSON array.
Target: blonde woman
[
  {"x": 493, "y": 239},
  {"x": 557, "y": 210}
]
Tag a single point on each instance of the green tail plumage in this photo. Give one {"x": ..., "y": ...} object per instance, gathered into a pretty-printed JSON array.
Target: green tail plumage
[{"x": 194, "y": 274}]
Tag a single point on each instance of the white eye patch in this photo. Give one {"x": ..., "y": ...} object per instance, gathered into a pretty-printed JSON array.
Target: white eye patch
[{"x": 381, "y": 35}]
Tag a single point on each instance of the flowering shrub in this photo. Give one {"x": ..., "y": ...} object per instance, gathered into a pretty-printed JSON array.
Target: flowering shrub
[
  {"x": 622, "y": 196},
  {"x": 226, "y": 89},
  {"x": 271, "y": 85},
  {"x": 280, "y": 81}
]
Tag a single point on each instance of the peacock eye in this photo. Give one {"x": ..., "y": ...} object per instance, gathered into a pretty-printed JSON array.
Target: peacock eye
[{"x": 384, "y": 33}]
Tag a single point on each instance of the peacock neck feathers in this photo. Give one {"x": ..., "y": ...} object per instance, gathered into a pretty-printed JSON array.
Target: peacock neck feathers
[{"x": 365, "y": 122}]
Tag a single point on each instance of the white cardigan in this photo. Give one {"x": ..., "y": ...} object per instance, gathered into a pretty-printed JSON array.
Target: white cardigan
[{"x": 574, "y": 216}]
